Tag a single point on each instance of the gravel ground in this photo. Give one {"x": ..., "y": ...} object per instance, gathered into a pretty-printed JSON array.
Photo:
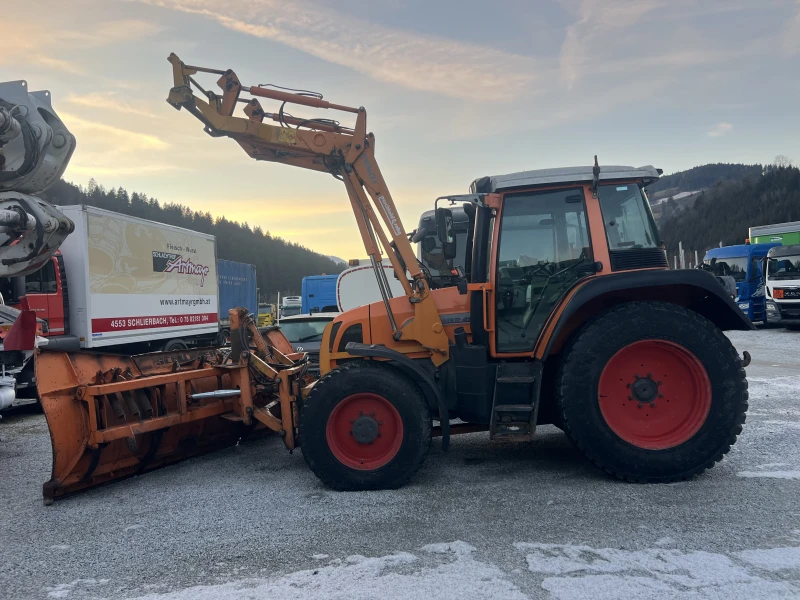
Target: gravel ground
[{"x": 487, "y": 520}]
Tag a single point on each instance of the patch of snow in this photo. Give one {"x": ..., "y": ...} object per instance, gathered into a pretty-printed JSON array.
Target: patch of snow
[
  {"x": 770, "y": 474},
  {"x": 455, "y": 575},
  {"x": 665, "y": 541},
  {"x": 319, "y": 556},
  {"x": 458, "y": 548},
  {"x": 585, "y": 573},
  {"x": 772, "y": 559},
  {"x": 60, "y": 547}
]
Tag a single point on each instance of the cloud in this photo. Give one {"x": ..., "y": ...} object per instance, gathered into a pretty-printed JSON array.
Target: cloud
[
  {"x": 720, "y": 129},
  {"x": 130, "y": 139},
  {"x": 597, "y": 23},
  {"x": 109, "y": 101},
  {"x": 21, "y": 48},
  {"x": 415, "y": 61}
]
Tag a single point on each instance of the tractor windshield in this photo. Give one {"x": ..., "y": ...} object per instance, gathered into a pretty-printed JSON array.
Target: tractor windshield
[{"x": 628, "y": 221}]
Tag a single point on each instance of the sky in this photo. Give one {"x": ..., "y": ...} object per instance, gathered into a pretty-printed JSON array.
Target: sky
[{"x": 454, "y": 90}]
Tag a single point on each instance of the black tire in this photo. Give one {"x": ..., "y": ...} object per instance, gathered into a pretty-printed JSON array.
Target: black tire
[
  {"x": 173, "y": 345},
  {"x": 363, "y": 377},
  {"x": 591, "y": 349}
]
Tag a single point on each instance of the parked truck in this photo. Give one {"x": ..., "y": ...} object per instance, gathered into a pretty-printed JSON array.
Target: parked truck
[
  {"x": 122, "y": 284},
  {"x": 782, "y": 285},
  {"x": 319, "y": 294},
  {"x": 785, "y": 234},
  {"x": 744, "y": 263},
  {"x": 237, "y": 287}
]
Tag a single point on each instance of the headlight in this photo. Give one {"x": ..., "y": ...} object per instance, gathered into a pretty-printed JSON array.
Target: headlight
[{"x": 744, "y": 305}]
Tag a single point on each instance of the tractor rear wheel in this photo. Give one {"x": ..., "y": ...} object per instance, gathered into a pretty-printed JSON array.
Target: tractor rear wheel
[
  {"x": 651, "y": 391},
  {"x": 365, "y": 426}
]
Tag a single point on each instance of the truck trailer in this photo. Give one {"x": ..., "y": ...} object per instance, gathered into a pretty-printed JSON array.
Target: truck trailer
[
  {"x": 122, "y": 284},
  {"x": 785, "y": 234},
  {"x": 237, "y": 286}
]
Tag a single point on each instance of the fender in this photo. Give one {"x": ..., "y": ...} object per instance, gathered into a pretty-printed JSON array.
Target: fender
[
  {"x": 415, "y": 372},
  {"x": 694, "y": 289}
]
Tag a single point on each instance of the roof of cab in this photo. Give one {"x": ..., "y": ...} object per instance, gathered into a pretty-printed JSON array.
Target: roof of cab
[
  {"x": 778, "y": 251},
  {"x": 523, "y": 179}
]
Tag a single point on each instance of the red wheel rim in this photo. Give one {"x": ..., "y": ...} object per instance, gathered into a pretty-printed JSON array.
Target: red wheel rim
[
  {"x": 654, "y": 394},
  {"x": 364, "y": 431}
]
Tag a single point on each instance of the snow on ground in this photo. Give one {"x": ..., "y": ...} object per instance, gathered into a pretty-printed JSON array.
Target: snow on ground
[
  {"x": 457, "y": 576},
  {"x": 537, "y": 521},
  {"x": 567, "y": 572}
]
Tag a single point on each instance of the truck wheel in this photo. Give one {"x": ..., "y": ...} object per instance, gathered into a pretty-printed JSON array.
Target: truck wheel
[
  {"x": 173, "y": 345},
  {"x": 651, "y": 391},
  {"x": 365, "y": 427}
]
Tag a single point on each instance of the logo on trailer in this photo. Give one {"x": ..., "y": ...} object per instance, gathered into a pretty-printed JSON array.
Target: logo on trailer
[{"x": 167, "y": 262}]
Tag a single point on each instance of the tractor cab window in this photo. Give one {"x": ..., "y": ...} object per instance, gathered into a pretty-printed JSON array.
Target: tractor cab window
[
  {"x": 627, "y": 217},
  {"x": 543, "y": 250},
  {"x": 433, "y": 257}
]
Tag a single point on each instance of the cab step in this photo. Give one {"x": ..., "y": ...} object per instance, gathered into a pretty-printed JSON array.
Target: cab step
[{"x": 516, "y": 401}]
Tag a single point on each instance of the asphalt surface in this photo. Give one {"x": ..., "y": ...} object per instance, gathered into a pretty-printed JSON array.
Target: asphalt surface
[{"x": 486, "y": 520}]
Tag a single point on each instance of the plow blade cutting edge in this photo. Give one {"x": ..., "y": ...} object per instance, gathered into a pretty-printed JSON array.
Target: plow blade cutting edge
[{"x": 113, "y": 416}]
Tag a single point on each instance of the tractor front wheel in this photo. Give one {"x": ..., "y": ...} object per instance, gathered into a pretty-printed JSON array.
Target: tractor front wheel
[
  {"x": 365, "y": 426},
  {"x": 651, "y": 391}
]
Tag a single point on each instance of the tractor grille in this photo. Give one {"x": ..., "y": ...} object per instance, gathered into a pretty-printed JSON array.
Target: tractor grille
[{"x": 637, "y": 258}]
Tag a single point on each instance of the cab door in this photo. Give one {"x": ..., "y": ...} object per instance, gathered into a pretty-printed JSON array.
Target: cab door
[
  {"x": 42, "y": 296},
  {"x": 542, "y": 249}
]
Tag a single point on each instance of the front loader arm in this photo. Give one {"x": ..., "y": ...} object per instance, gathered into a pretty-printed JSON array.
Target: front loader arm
[{"x": 322, "y": 145}]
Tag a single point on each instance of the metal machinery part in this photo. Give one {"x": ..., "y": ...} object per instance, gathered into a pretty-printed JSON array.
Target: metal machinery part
[
  {"x": 35, "y": 149},
  {"x": 114, "y": 416}
]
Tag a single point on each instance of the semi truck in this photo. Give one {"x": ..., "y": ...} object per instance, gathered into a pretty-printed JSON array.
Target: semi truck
[
  {"x": 319, "y": 294},
  {"x": 127, "y": 285},
  {"x": 744, "y": 263}
]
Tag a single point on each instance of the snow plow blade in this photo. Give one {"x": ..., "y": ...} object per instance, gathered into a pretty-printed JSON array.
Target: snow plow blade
[{"x": 113, "y": 416}]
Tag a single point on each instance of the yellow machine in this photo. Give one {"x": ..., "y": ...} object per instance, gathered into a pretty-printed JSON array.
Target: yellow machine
[
  {"x": 266, "y": 314},
  {"x": 565, "y": 312}
]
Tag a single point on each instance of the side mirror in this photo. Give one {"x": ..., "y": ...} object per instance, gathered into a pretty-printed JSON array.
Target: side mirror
[{"x": 444, "y": 225}]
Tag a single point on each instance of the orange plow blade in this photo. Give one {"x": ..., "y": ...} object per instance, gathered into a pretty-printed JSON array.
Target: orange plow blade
[{"x": 113, "y": 416}]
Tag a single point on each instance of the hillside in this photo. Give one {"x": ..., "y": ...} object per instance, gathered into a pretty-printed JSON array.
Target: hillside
[
  {"x": 280, "y": 265},
  {"x": 674, "y": 194},
  {"x": 725, "y": 212},
  {"x": 699, "y": 178}
]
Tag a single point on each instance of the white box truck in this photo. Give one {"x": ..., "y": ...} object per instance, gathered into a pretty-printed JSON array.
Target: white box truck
[{"x": 137, "y": 283}]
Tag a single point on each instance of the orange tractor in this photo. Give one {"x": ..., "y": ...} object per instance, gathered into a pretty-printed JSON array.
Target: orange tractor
[{"x": 565, "y": 312}]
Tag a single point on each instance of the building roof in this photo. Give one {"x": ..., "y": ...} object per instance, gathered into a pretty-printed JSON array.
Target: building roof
[{"x": 496, "y": 183}]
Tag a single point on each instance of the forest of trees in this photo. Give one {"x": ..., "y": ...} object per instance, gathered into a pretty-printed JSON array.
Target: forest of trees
[
  {"x": 725, "y": 211},
  {"x": 705, "y": 176},
  {"x": 280, "y": 265}
]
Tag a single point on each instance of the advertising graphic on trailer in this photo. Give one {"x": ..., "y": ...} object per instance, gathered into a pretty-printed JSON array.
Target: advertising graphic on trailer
[{"x": 143, "y": 277}]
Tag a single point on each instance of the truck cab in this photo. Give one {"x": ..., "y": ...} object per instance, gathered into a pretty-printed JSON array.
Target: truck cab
[
  {"x": 743, "y": 262},
  {"x": 43, "y": 292},
  {"x": 782, "y": 285}
]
